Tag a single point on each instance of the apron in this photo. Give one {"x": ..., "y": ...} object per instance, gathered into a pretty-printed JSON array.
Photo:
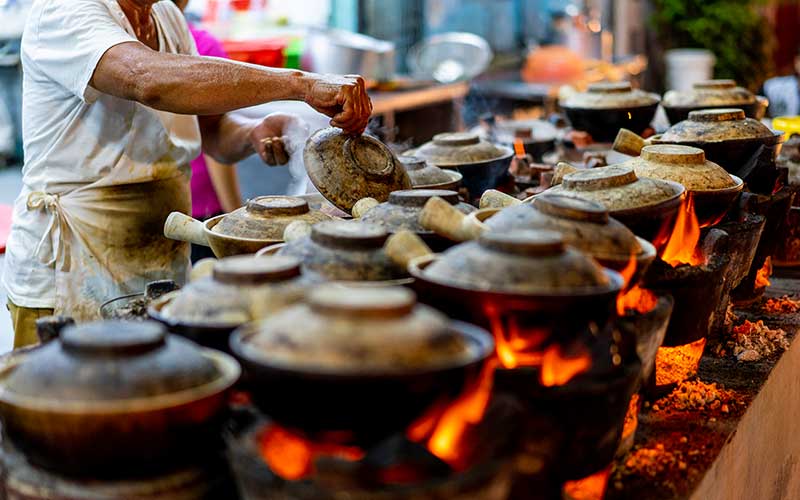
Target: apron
[{"x": 106, "y": 239}]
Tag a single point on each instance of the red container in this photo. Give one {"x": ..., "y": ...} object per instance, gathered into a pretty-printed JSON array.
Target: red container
[{"x": 269, "y": 52}]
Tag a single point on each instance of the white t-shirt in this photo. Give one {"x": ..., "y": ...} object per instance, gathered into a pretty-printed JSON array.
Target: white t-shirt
[{"x": 74, "y": 135}]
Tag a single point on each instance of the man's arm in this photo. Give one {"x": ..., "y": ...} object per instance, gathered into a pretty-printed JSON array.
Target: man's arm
[{"x": 210, "y": 86}]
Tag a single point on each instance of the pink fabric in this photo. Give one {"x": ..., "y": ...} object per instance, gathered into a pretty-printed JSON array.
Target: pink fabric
[{"x": 204, "y": 199}]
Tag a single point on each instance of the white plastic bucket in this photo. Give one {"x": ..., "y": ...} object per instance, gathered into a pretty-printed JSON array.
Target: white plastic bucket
[{"x": 685, "y": 67}]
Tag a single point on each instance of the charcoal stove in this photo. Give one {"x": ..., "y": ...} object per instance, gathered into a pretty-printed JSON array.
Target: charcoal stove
[
  {"x": 697, "y": 290},
  {"x": 22, "y": 480},
  {"x": 775, "y": 209},
  {"x": 272, "y": 463}
]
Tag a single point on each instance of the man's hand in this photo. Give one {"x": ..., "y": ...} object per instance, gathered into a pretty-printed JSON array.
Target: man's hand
[
  {"x": 267, "y": 138},
  {"x": 344, "y": 99}
]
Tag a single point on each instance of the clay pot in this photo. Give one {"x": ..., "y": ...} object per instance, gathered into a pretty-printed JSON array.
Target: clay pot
[
  {"x": 154, "y": 399},
  {"x": 713, "y": 189},
  {"x": 403, "y": 210},
  {"x": 743, "y": 146},
  {"x": 483, "y": 165},
  {"x": 367, "y": 362},
  {"x": 585, "y": 225},
  {"x": 426, "y": 176},
  {"x": 647, "y": 206},
  {"x": 259, "y": 223},
  {"x": 342, "y": 251},
  {"x": 607, "y": 107},
  {"x": 345, "y": 169},
  {"x": 710, "y": 94},
  {"x": 241, "y": 289},
  {"x": 537, "y": 136}
]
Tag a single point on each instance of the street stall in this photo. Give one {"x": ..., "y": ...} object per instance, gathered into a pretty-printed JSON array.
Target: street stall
[{"x": 589, "y": 293}]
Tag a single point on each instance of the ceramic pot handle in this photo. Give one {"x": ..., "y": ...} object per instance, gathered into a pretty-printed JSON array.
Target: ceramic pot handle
[
  {"x": 445, "y": 220},
  {"x": 181, "y": 227},
  {"x": 495, "y": 199},
  {"x": 363, "y": 206},
  {"x": 562, "y": 169},
  {"x": 405, "y": 246},
  {"x": 628, "y": 143},
  {"x": 296, "y": 230}
]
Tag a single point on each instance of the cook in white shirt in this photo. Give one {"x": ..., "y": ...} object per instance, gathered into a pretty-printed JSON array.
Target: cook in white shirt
[{"x": 115, "y": 105}]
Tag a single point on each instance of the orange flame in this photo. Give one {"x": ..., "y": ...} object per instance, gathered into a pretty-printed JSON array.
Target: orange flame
[
  {"x": 636, "y": 299},
  {"x": 292, "y": 457},
  {"x": 679, "y": 363},
  {"x": 681, "y": 247},
  {"x": 519, "y": 147},
  {"x": 444, "y": 428},
  {"x": 516, "y": 346},
  {"x": 558, "y": 368},
  {"x": 589, "y": 488},
  {"x": 631, "y": 418},
  {"x": 762, "y": 277}
]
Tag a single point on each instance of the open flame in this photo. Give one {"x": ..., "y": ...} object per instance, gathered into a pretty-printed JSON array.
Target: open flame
[
  {"x": 292, "y": 457},
  {"x": 679, "y": 363},
  {"x": 762, "y": 277},
  {"x": 633, "y": 297},
  {"x": 559, "y": 367},
  {"x": 519, "y": 147},
  {"x": 445, "y": 426},
  {"x": 631, "y": 418},
  {"x": 589, "y": 488},
  {"x": 681, "y": 245}
]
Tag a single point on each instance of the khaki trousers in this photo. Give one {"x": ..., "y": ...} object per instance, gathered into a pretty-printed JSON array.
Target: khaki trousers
[{"x": 23, "y": 319}]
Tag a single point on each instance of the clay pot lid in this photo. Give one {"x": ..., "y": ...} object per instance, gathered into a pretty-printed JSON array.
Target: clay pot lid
[
  {"x": 346, "y": 169},
  {"x": 460, "y": 148},
  {"x": 617, "y": 187},
  {"x": 610, "y": 96},
  {"x": 249, "y": 270},
  {"x": 576, "y": 209},
  {"x": 349, "y": 235},
  {"x": 265, "y": 217},
  {"x": 353, "y": 331},
  {"x": 527, "y": 130},
  {"x": 584, "y": 225},
  {"x": 389, "y": 302},
  {"x": 710, "y": 93},
  {"x": 683, "y": 164},
  {"x": 716, "y": 125},
  {"x": 110, "y": 362},
  {"x": 520, "y": 262},
  {"x": 418, "y": 197},
  {"x": 422, "y": 173}
]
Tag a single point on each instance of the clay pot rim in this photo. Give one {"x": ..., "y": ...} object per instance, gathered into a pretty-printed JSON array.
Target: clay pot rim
[
  {"x": 679, "y": 188},
  {"x": 228, "y": 374},
  {"x": 508, "y": 153},
  {"x": 482, "y": 346},
  {"x": 416, "y": 268},
  {"x": 452, "y": 184},
  {"x": 776, "y": 136},
  {"x": 155, "y": 308},
  {"x": 209, "y": 224}
]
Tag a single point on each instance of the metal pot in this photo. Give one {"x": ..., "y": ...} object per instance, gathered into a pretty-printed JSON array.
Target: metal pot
[
  {"x": 403, "y": 210},
  {"x": 357, "y": 365},
  {"x": 483, "y": 165},
  {"x": 332, "y": 51},
  {"x": 607, "y": 107},
  {"x": 241, "y": 289},
  {"x": 585, "y": 225},
  {"x": 712, "y": 189},
  {"x": 346, "y": 169},
  {"x": 743, "y": 146},
  {"x": 115, "y": 398},
  {"x": 647, "y": 206},
  {"x": 711, "y": 94},
  {"x": 246, "y": 230},
  {"x": 134, "y": 306}
]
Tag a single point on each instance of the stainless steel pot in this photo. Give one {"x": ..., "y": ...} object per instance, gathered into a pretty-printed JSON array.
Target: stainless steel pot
[{"x": 344, "y": 52}]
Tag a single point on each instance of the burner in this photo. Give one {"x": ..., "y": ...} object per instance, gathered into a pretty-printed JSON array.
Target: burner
[
  {"x": 270, "y": 462},
  {"x": 24, "y": 481}
]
